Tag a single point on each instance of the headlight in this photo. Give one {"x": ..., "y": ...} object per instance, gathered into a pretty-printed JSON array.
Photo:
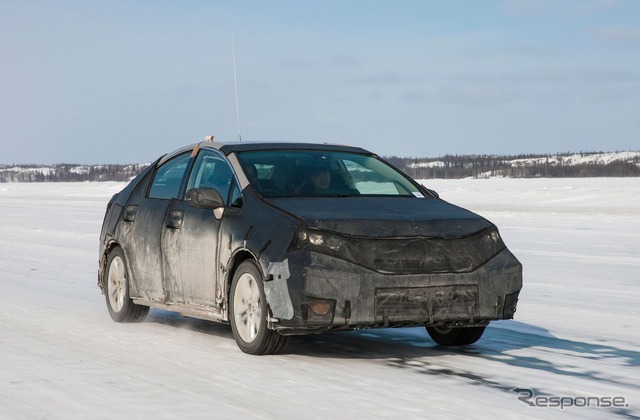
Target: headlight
[
  {"x": 318, "y": 240},
  {"x": 492, "y": 239}
]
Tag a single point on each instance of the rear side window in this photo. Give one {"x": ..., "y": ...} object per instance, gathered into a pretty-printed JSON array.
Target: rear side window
[{"x": 168, "y": 177}]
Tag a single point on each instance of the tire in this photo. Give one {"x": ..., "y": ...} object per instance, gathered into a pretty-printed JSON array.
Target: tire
[
  {"x": 455, "y": 336},
  {"x": 248, "y": 313},
  {"x": 120, "y": 306}
]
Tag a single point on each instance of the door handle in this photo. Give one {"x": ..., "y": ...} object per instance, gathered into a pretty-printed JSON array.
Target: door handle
[{"x": 175, "y": 219}]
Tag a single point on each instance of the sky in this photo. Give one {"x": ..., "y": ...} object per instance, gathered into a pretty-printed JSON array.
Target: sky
[{"x": 125, "y": 82}]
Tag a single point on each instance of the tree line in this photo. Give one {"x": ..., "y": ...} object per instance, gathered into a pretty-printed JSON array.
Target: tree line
[
  {"x": 65, "y": 172},
  {"x": 483, "y": 166},
  {"x": 445, "y": 167}
]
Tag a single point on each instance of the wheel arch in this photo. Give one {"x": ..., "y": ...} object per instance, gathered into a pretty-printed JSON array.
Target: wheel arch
[
  {"x": 237, "y": 259},
  {"x": 110, "y": 246},
  {"x": 267, "y": 340}
]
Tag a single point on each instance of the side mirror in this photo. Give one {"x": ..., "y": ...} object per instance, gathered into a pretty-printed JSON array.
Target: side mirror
[{"x": 204, "y": 198}]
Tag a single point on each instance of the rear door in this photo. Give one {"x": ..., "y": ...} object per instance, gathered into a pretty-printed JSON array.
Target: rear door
[{"x": 148, "y": 219}]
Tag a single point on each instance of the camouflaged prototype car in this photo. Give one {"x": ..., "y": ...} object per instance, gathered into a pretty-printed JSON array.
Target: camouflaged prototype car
[{"x": 289, "y": 238}]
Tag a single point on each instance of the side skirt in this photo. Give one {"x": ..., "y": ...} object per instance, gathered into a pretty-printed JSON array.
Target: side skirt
[{"x": 210, "y": 314}]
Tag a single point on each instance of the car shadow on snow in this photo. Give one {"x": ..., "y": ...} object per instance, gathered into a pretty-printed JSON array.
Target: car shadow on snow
[
  {"x": 174, "y": 319},
  {"x": 515, "y": 344},
  {"x": 496, "y": 341},
  {"x": 411, "y": 348},
  {"x": 402, "y": 345}
]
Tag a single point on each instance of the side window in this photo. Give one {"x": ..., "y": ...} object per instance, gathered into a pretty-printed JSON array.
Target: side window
[
  {"x": 168, "y": 177},
  {"x": 235, "y": 199},
  {"x": 211, "y": 170}
]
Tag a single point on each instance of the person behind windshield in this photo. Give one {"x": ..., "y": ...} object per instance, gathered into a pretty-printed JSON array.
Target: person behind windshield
[{"x": 319, "y": 180}]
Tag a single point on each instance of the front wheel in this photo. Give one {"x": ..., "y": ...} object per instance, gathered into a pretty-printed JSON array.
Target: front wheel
[
  {"x": 119, "y": 303},
  {"x": 455, "y": 336},
  {"x": 248, "y": 313}
]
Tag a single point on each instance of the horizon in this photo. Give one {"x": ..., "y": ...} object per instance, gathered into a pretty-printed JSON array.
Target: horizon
[
  {"x": 126, "y": 82},
  {"x": 515, "y": 156}
]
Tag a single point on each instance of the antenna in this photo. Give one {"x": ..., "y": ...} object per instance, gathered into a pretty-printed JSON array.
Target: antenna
[{"x": 235, "y": 83}]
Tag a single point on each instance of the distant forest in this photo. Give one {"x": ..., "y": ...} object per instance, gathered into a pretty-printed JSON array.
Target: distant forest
[
  {"x": 65, "y": 172},
  {"x": 533, "y": 166},
  {"x": 446, "y": 167}
]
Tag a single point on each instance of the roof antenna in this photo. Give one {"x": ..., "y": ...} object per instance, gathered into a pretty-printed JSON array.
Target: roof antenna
[{"x": 235, "y": 83}]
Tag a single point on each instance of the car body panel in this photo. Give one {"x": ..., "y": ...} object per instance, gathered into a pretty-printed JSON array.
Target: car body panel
[
  {"x": 189, "y": 243},
  {"x": 362, "y": 296},
  {"x": 228, "y": 148},
  {"x": 143, "y": 234},
  {"x": 383, "y": 217}
]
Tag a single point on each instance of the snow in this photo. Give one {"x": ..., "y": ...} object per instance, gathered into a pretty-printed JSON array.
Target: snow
[
  {"x": 575, "y": 332},
  {"x": 81, "y": 170},
  {"x": 434, "y": 164}
]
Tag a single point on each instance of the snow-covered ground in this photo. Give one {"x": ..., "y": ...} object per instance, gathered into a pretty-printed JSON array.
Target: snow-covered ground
[{"x": 575, "y": 335}]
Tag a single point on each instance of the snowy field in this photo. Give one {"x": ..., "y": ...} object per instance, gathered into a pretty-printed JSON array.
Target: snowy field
[{"x": 575, "y": 335}]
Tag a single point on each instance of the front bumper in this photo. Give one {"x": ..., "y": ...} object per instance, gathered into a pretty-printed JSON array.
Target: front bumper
[{"x": 327, "y": 293}]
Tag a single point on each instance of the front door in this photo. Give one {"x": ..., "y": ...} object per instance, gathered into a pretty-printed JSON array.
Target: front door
[{"x": 190, "y": 240}]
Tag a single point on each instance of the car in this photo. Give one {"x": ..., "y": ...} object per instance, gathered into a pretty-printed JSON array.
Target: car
[{"x": 281, "y": 239}]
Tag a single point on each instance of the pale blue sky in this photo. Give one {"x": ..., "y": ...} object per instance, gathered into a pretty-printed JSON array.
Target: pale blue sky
[{"x": 125, "y": 81}]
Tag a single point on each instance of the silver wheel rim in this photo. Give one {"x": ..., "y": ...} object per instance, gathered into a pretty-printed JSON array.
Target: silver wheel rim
[
  {"x": 247, "y": 307},
  {"x": 116, "y": 284}
]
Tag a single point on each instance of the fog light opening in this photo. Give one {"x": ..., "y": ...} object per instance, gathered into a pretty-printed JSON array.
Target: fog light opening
[
  {"x": 320, "y": 306},
  {"x": 510, "y": 305}
]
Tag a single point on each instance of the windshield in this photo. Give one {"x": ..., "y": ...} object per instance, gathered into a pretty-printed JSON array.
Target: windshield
[{"x": 311, "y": 173}]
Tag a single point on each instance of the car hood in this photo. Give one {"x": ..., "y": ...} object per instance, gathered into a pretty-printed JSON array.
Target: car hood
[{"x": 384, "y": 217}]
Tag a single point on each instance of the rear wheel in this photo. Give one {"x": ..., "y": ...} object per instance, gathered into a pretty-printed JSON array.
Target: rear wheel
[
  {"x": 455, "y": 336},
  {"x": 248, "y": 313},
  {"x": 120, "y": 306}
]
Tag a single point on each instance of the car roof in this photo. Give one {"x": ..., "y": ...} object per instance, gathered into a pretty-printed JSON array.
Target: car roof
[
  {"x": 259, "y": 146},
  {"x": 254, "y": 146}
]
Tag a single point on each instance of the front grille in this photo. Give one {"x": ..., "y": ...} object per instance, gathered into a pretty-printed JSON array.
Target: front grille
[
  {"x": 399, "y": 265},
  {"x": 413, "y": 255},
  {"x": 427, "y": 304}
]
